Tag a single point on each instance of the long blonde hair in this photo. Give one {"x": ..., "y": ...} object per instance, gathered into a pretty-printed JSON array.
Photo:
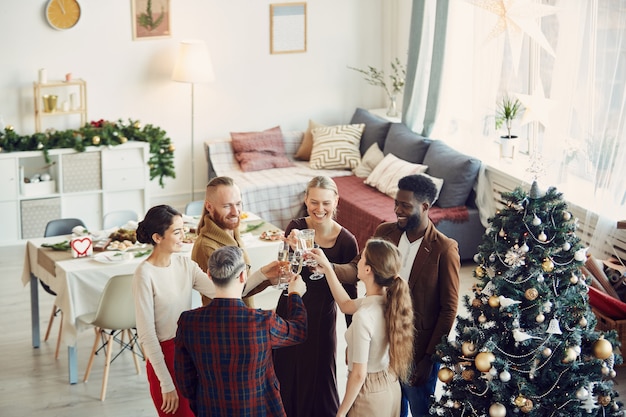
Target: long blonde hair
[{"x": 385, "y": 260}]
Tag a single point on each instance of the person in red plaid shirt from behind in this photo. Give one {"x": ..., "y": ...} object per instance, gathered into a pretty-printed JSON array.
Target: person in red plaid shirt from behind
[{"x": 223, "y": 358}]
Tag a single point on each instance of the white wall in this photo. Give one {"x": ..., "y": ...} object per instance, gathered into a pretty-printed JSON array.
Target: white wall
[{"x": 253, "y": 90}]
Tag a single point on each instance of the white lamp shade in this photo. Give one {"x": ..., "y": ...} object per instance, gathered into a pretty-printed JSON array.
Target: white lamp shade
[{"x": 193, "y": 64}]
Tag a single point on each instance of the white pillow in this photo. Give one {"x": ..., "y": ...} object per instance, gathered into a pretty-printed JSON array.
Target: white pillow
[
  {"x": 388, "y": 172},
  {"x": 336, "y": 147},
  {"x": 370, "y": 159}
]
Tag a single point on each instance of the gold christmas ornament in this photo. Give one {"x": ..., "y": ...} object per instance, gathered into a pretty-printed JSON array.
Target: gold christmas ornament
[
  {"x": 527, "y": 407},
  {"x": 520, "y": 401},
  {"x": 567, "y": 215},
  {"x": 468, "y": 349},
  {"x": 456, "y": 405},
  {"x": 497, "y": 410},
  {"x": 570, "y": 355},
  {"x": 482, "y": 318},
  {"x": 137, "y": 125},
  {"x": 171, "y": 148},
  {"x": 467, "y": 375},
  {"x": 477, "y": 303},
  {"x": 531, "y": 294},
  {"x": 484, "y": 360},
  {"x": 95, "y": 140},
  {"x": 540, "y": 318},
  {"x": 9, "y": 127},
  {"x": 583, "y": 322},
  {"x": 480, "y": 272},
  {"x": 494, "y": 301},
  {"x": 123, "y": 139},
  {"x": 602, "y": 349},
  {"x": 547, "y": 265},
  {"x": 445, "y": 375},
  {"x": 604, "y": 400}
]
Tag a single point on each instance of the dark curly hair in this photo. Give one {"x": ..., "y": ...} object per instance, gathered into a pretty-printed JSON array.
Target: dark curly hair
[{"x": 422, "y": 187}]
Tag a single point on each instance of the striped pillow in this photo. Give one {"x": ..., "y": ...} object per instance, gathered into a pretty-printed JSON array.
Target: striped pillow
[
  {"x": 388, "y": 172},
  {"x": 336, "y": 147}
]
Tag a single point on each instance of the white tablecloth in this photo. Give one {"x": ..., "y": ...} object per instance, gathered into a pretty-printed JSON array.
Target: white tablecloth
[{"x": 79, "y": 283}]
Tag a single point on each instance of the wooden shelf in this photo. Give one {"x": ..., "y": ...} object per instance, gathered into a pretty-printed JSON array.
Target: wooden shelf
[{"x": 77, "y": 86}]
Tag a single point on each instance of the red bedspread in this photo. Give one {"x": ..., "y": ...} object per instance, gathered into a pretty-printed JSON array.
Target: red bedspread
[{"x": 362, "y": 208}]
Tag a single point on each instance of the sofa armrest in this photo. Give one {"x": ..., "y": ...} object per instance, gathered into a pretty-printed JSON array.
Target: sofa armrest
[{"x": 220, "y": 157}]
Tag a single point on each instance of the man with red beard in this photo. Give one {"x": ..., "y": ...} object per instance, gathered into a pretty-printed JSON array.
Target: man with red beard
[
  {"x": 430, "y": 264},
  {"x": 219, "y": 226}
]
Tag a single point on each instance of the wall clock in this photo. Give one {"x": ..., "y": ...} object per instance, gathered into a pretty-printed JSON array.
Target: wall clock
[{"x": 62, "y": 14}]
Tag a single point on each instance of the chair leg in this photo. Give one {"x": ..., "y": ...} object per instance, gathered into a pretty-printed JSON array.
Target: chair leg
[
  {"x": 132, "y": 351},
  {"x": 52, "y": 316},
  {"x": 92, "y": 356},
  {"x": 56, "y": 353},
  {"x": 107, "y": 366}
]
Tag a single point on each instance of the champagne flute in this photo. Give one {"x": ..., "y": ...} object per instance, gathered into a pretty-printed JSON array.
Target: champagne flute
[
  {"x": 307, "y": 237},
  {"x": 284, "y": 267}
]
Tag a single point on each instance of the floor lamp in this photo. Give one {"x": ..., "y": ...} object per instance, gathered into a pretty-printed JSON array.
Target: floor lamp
[{"x": 193, "y": 66}]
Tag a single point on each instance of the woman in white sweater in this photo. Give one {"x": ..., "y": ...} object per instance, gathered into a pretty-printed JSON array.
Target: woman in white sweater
[
  {"x": 162, "y": 288},
  {"x": 380, "y": 338}
]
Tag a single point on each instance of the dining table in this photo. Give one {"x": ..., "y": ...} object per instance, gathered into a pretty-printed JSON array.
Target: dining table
[{"x": 79, "y": 282}]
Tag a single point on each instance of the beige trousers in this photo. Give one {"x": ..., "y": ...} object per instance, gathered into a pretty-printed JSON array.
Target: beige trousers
[{"x": 380, "y": 396}]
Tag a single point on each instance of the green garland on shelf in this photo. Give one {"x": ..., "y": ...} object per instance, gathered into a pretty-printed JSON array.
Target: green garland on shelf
[{"x": 98, "y": 133}]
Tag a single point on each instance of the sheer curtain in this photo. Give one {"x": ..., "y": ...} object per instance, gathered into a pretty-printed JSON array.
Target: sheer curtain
[{"x": 580, "y": 136}]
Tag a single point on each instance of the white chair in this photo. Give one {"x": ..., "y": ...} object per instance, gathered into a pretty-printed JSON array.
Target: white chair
[
  {"x": 194, "y": 208},
  {"x": 114, "y": 317},
  {"x": 118, "y": 218},
  {"x": 57, "y": 227}
]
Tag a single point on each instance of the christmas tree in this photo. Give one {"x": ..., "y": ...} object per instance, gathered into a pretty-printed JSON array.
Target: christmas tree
[{"x": 528, "y": 345}]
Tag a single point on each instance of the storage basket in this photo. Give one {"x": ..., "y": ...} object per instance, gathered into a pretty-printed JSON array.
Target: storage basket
[{"x": 606, "y": 323}]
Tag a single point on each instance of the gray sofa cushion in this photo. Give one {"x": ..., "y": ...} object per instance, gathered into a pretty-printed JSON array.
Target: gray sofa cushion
[
  {"x": 457, "y": 170},
  {"x": 406, "y": 144},
  {"x": 376, "y": 129}
]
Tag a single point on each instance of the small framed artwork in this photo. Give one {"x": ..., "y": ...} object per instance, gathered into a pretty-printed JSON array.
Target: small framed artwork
[
  {"x": 287, "y": 28},
  {"x": 151, "y": 19}
]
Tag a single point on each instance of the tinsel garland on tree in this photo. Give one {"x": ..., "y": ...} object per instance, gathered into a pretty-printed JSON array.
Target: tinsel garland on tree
[
  {"x": 99, "y": 133},
  {"x": 528, "y": 344}
]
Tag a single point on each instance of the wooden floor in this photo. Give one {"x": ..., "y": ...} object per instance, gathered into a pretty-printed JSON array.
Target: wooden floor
[{"x": 34, "y": 384}]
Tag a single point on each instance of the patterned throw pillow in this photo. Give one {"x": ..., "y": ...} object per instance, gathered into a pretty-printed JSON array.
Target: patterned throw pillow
[
  {"x": 336, "y": 147},
  {"x": 260, "y": 150},
  {"x": 388, "y": 172}
]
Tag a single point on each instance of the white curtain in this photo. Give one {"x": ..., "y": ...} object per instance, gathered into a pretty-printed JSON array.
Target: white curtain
[{"x": 581, "y": 132}]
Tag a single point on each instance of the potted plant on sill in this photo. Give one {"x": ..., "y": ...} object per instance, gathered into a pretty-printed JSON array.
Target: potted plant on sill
[{"x": 508, "y": 108}]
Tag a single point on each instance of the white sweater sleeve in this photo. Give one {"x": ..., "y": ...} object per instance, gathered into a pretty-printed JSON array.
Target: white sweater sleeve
[{"x": 145, "y": 320}]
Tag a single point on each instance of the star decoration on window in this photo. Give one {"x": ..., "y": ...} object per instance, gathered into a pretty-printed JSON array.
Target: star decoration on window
[
  {"x": 517, "y": 18},
  {"x": 536, "y": 106}
]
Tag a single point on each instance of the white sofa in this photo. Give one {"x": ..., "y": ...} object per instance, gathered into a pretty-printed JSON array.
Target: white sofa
[{"x": 277, "y": 194}]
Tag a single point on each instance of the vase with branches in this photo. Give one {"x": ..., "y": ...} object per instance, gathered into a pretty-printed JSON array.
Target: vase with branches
[{"x": 393, "y": 86}]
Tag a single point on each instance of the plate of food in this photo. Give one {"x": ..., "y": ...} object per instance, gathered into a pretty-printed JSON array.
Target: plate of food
[
  {"x": 274, "y": 234},
  {"x": 117, "y": 245},
  {"x": 109, "y": 257}
]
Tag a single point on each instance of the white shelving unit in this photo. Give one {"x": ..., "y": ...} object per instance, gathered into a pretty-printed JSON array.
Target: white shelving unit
[{"x": 85, "y": 185}]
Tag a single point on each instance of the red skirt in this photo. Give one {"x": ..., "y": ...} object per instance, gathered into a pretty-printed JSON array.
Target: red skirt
[{"x": 155, "y": 385}]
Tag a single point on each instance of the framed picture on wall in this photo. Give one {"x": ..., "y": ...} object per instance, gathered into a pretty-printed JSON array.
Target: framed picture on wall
[
  {"x": 151, "y": 19},
  {"x": 287, "y": 28}
]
